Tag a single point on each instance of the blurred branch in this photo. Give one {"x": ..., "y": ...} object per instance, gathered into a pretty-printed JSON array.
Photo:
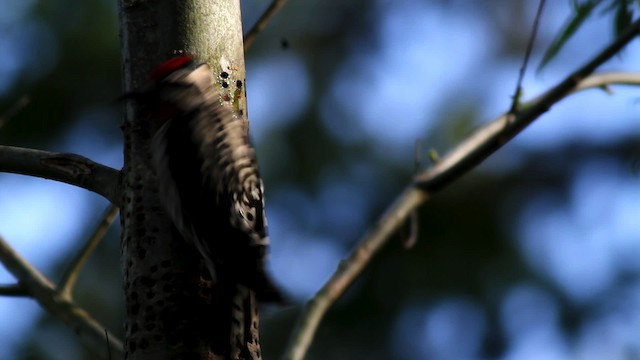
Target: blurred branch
[
  {"x": 350, "y": 268},
  {"x": 462, "y": 159},
  {"x": 13, "y": 290},
  {"x": 275, "y": 6},
  {"x": 65, "y": 287},
  {"x": 603, "y": 80},
  {"x": 69, "y": 168},
  {"x": 45, "y": 293},
  {"x": 498, "y": 132}
]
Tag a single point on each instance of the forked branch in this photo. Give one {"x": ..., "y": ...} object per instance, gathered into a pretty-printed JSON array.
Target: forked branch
[
  {"x": 458, "y": 162},
  {"x": 44, "y": 292}
]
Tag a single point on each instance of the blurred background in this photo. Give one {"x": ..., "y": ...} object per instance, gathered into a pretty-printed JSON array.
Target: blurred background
[{"x": 533, "y": 255}]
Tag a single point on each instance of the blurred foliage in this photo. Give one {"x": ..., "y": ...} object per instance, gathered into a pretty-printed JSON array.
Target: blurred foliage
[
  {"x": 71, "y": 65},
  {"x": 623, "y": 11},
  {"x": 467, "y": 247}
]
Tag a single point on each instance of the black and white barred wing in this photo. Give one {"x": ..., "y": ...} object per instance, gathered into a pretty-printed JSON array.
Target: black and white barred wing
[
  {"x": 230, "y": 167},
  {"x": 210, "y": 184}
]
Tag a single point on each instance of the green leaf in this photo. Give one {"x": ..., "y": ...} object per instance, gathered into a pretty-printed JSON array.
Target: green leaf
[{"x": 582, "y": 12}]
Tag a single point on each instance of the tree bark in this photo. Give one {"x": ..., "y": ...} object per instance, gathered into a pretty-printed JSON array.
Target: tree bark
[{"x": 171, "y": 311}]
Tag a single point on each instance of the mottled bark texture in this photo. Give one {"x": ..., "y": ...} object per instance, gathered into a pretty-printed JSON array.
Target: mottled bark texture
[{"x": 172, "y": 311}]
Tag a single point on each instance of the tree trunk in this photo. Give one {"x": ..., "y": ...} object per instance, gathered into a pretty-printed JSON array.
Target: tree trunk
[{"x": 171, "y": 311}]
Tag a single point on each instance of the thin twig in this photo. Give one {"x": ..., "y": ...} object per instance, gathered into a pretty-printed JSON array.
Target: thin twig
[
  {"x": 470, "y": 153},
  {"x": 106, "y": 335},
  {"x": 411, "y": 240},
  {"x": 44, "y": 292},
  {"x": 13, "y": 290},
  {"x": 518, "y": 93},
  {"x": 65, "y": 287},
  {"x": 14, "y": 109},
  {"x": 275, "y": 6},
  {"x": 69, "y": 168}
]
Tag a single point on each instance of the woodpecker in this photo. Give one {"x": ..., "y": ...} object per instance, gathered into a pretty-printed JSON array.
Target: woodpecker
[{"x": 208, "y": 176}]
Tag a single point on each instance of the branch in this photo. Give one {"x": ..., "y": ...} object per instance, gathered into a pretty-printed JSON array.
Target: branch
[
  {"x": 65, "y": 287},
  {"x": 44, "y": 292},
  {"x": 275, "y": 6},
  {"x": 13, "y": 290},
  {"x": 462, "y": 159},
  {"x": 69, "y": 168}
]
